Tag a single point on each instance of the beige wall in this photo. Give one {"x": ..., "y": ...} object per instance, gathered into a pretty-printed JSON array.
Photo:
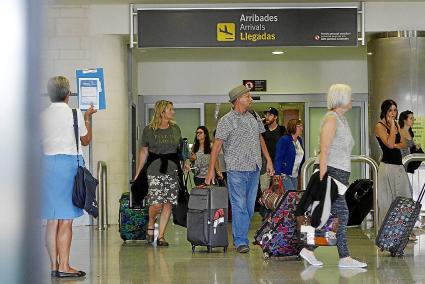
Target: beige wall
[
  {"x": 283, "y": 77},
  {"x": 71, "y": 43}
]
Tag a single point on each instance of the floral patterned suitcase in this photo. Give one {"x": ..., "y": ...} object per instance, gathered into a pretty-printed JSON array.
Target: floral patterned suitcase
[
  {"x": 133, "y": 222},
  {"x": 278, "y": 235}
]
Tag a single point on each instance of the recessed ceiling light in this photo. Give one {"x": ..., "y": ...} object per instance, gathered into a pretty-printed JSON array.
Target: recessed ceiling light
[
  {"x": 277, "y": 52},
  {"x": 369, "y": 53}
]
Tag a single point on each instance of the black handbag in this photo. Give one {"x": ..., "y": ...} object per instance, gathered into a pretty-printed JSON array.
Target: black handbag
[
  {"x": 139, "y": 189},
  {"x": 413, "y": 166},
  {"x": 84, "y": 192},
  {"x": 180, "y": 210}
]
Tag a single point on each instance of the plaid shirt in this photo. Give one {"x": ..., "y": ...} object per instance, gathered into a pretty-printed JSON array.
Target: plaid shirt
[{"x": 241, "y": 135}]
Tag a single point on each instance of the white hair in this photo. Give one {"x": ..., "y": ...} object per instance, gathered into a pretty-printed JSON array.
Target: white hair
[{"x": 338, "y": 95}]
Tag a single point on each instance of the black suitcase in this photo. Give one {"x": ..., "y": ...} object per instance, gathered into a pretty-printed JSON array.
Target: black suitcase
[
  {"x": 398, "y": 224},
  {"x": 207, "y": 217},
  {"x": 359, "y": 197}
]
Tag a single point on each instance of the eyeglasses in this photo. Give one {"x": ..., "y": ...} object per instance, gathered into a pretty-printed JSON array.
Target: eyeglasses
[{"x": 199, "y": 132}]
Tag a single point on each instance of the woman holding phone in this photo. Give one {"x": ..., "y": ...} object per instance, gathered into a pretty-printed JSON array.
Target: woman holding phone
[{"x": 392, "y": 177}]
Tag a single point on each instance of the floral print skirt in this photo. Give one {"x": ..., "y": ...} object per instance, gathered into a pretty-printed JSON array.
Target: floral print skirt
[{"x": 162, "y": 189}]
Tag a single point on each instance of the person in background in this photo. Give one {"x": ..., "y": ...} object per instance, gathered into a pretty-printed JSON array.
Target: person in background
[
  {"x": 406, "y": 120},
  {"x": 221, "y": 168},
  {"x": 59, "y": 169},
  {"x": 392, "y": 177},
  {"x": 272, "y": 134},
  {"x": 239, "y": 132},
  {"x": 160, "y": 165},
  {"x": 200, "y": 155},
  {"x": 336, "y": 143},
  {"x": 289, "y": 156}
]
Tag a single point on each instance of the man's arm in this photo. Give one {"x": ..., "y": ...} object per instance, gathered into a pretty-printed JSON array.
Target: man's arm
[
  {"x": 269, "y": 167},
  {"x": 213, "y": 158}
]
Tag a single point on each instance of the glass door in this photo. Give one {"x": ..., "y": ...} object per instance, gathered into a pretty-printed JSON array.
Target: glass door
[{"x": 314, "y": 113}]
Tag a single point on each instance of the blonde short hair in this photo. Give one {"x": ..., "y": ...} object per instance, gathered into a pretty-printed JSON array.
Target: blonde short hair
[{"x": 338, "y": 95}]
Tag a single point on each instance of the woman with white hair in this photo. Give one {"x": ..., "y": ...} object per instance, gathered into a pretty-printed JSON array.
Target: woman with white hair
[{"x": 336, "y": 143}]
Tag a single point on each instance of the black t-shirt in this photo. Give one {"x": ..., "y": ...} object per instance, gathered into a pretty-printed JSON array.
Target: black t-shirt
[{"x": 271, "y": 138}]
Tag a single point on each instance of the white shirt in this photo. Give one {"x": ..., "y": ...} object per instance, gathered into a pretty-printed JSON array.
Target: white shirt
[
  {"x": 298, "y": 157},
  {"x": 57, "y": 130}
]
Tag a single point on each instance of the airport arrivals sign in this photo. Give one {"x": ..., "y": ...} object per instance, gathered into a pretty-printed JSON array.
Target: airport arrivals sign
[{"x": 247, "y": 27}]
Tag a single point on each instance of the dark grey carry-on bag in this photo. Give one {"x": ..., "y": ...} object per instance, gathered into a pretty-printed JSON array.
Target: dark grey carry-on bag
[
  {"x": 398, "y": 224},
  {"x": 207, "y": 217}
]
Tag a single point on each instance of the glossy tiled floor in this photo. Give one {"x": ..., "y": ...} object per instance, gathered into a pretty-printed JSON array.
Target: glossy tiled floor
[{"x": 106, "y": 259}]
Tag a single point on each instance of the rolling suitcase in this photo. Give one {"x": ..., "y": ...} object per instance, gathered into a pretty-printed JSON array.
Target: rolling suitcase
[
  {"x": 133, "y": 221},
  {"x": 207, "y": 217},
  {"x": 359, "y": 197},
  {"x": 278, "y": 235},
  {"x": 398, "y": 224}
]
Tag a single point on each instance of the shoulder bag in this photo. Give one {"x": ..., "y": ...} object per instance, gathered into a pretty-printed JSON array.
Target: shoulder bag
[{"x": 84, "y": 192}]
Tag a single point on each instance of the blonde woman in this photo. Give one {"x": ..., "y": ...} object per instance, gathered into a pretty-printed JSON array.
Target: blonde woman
[{"x": 160, "y": 167}]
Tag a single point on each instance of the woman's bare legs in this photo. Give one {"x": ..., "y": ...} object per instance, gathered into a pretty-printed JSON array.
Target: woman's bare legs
[
  {"x": 154, "y": 210},
  {"x": 165, "y": 217},
  {"x": 51, "y": 236},
  {"x": 63, "y": 242}
]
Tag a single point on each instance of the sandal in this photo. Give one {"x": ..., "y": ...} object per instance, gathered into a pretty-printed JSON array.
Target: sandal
[
  {"x": 149, "y": 237},
  {"x": 161, "y": 242}
]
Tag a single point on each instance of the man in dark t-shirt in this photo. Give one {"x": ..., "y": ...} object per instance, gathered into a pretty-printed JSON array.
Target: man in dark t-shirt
[
  {"x": 272, "y": 135},
  {"x": 273, "y": 130}
]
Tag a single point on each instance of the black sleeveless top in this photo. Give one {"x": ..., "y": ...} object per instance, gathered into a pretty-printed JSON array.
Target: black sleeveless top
[{"x": 390, "y": 156}]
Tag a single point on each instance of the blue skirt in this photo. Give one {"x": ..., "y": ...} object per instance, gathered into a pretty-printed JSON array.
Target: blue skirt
[{"x": 57, "y": 185}]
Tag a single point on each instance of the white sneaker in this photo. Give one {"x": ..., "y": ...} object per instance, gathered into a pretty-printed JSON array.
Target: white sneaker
[
  {"x": 310, "y": 258},
  {"x": 348, "y": 262}
]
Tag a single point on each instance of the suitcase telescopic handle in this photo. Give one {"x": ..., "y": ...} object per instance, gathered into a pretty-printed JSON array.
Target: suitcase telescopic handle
[{"x": 421, "y": 194}]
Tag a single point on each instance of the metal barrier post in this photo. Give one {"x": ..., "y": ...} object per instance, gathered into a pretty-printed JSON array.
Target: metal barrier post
[
  {"x": 102, "y": 220},
  {"x": 358, "y": 159}
]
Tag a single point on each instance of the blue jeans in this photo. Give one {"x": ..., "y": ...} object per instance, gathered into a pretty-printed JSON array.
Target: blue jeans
[
  {"x": 242, "y": 186},
  {"x": 290, "y": 183}
]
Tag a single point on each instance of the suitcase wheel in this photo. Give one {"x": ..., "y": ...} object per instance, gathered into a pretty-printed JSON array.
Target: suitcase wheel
[
  {"x": 394, "y": 254},
  {"x": 209, "y": 249}
]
